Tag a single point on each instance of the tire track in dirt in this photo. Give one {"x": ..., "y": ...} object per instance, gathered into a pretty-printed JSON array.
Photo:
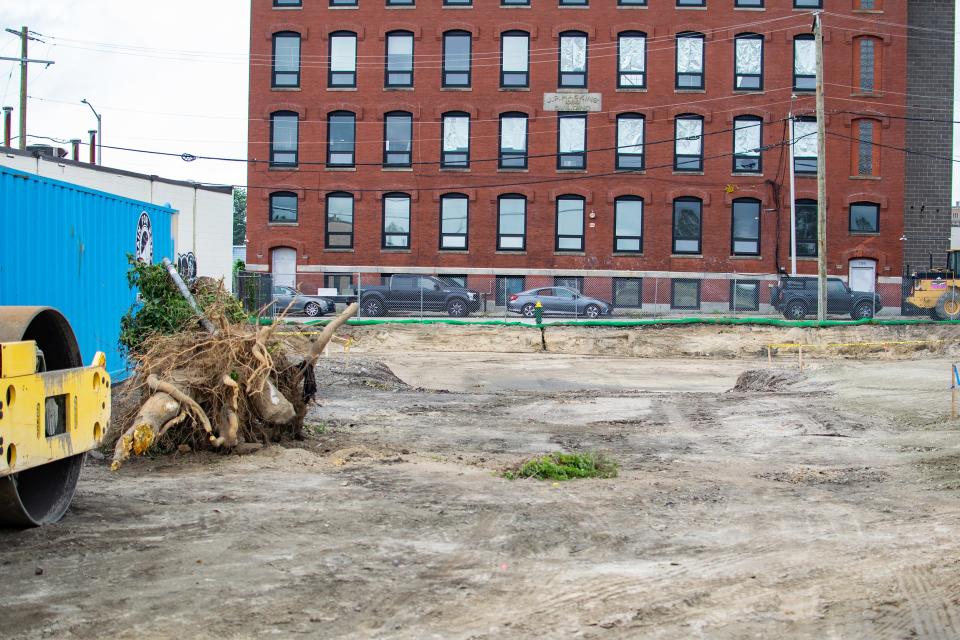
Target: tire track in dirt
[{"x": 934, "y": 615}]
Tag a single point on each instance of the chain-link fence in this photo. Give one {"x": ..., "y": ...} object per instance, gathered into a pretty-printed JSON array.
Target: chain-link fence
[{"x": 515, "y": 297}]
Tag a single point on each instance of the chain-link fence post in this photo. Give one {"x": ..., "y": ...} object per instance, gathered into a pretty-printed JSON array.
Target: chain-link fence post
[
  {"x": 733, "y": 295},
  {"x": 420, "y": 282},
  {"x": 656, "y": 297},
  {"x": 359, "y": 293}
]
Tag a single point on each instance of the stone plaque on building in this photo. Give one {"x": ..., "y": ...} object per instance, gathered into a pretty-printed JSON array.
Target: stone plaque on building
[{"x": 571, "y": 102}]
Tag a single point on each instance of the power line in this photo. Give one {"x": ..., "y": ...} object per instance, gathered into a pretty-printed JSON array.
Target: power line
[
  {"x": 869, "y": 114},
  {"x": 895, "y": 148}
]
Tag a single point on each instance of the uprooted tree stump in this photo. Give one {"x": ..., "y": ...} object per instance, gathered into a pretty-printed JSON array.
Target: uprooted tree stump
[{"x": 237, "y": 384}]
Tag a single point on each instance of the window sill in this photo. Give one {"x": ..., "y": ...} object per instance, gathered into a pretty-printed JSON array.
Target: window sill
[
  {"x": 515, "y": 6},
  {"x": 454, "y": 6},
  {"x": 869, "y": 11},
  {"x": 340, "y": 169},
  {"x": 454, "y": 252},
  {"x": 573, "y": 6},
  {"x": 638, "y": 6},
  {"x": 688, "y": 173},
  {"x": 636, "y": 172},
  {"x": 395, "y": 251},
  {"x": 631, "y": 89},
  {"x": 456, "y": 88},
  {"x": 689, "y": 90},
  {"x": 399, "y": 169},
  {"x": 398, "y": 88},
  {"x": 283, "y": 224},
  {"x": 284, "y": 169},
  {"x": 745, "y": 174},
  {"x": 329, "y": 250},
  {"x": 515, "y": 89},
  {"x": 341, "y": 88},
  {"x": 571, "y": 171},
  {"x": 285, "y": 89},
  {"x": 694, "y": 256},
  {"x": 805, "y": 175},
  {"x": 869, "y": 234},
  {"x": 691, "y": 8},
  {"x": 341, "y": 8},
  {"x": 410, "y": 6},
  {"x": 507, "y": 252},
  {"x": 569, "y": 253},
  {"x": 626, "y": 254},
  {"x": 454, "y": 170},
  {"x": 866, "y": 178},
  {"x": 749, "y": 8},
  {"x": 746, "y": 258},
  {"x": 749, "y": 92},
  {"x": 513, "y": 170},
  {"x": 287, "y": 8}
]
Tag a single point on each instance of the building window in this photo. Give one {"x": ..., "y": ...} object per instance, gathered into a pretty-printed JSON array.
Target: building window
[
  {"x": 686, "y": 226},
  {"x": 343, "y": 59},
  {"x": 456, "y": 140},
  {"x": 399, "y": 72},
  {"x": 398, "y": 131},
  {"x": 630, "y": 141},
  {"x": 747, "y": 140},
  {"x": 339, "y": 233},
  {"x": 572, "y": 141},
  {"x": 458, "y": 280},
  {"x": 689, "y": 61},
  {"x": 341, "y": 139},
  {"x": 688, "y": 144},
  {"x": 748, "y": 4},
  {"x": 864, "y": 217},
  {"x": 283, "y": 138},
  {"x": 287, "y": 3},
  {"x": 515, "y": 59},
  {"x": 511, "y": 223},
  {"x": 684, "y": 294},
  {"x": 283, "y": 207},
  {"x": 628, "y": 293},
  {"x": 574, "y": 3},
  {"x": 632, "y": 60},
  {"x": 396, "y": 221},
  {"x": 286, "y": 59},
  {"x": 804, "y": 63},
  {"x": 748, "y": 62},
  {"x": 866, "y": 68},
  {"x": 343, "y": 3},
  {"x": 458, "y": 3},
  {"x": 632, "y": 3},
  {"x": 507, "y": 286},
  {"x": 806, "y": 228},
  {"x": 453, "y": 221},
  {"x": 868, "y": 5},
  {"x": 805, "y": 145},
  {"x": 570, "y": 211},
  {"x": 342, "y": 282},
  {"x": 745, "y": 227},
  {"x": 744, "y": 295},
  {"x": 513, "y": 141},
  {"x": 808, "y": 4},
  {"x": 628, "y": 225},
  {"x": 573, "y": 59},
  {"x": 400, "y": 3},
  {"x": 691, "y": 3},
  {"x": 866, "y": 152},
  {"x": 514, "y": 3},
  {"x": 456, "y": 59}
]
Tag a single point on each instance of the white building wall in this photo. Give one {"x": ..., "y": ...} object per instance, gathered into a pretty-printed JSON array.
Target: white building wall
[{"x": 204, "y": 220}]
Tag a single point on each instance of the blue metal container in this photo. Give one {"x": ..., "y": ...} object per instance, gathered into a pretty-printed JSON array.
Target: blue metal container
[{"x": 66, "y": 246}]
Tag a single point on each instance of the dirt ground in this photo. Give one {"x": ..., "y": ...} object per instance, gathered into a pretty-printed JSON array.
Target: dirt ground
[{"x": 821, "y": 504}]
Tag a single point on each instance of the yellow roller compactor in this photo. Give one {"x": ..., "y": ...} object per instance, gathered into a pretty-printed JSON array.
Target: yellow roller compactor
[{"x": 52, "y": 411}]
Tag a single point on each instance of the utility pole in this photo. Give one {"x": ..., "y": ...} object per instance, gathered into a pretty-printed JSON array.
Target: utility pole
[
  {"x": 793, "y": 196},
  {"x": 821, "y": 177},
  {"x": 25, "y": 38}
]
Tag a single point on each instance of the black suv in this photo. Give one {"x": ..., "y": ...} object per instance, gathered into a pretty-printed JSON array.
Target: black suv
[
  {"x": 796, "y": 298},
  {"x": 418, "y": 293}
]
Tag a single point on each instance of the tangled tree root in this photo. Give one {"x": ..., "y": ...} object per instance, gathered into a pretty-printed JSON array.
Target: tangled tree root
[{"x": 217, "y": 390}]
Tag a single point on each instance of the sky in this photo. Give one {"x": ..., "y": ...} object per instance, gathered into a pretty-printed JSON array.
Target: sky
[{"x": 168, "y": 76}]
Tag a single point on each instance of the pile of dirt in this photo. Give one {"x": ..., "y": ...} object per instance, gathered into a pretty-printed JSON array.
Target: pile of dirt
[
  {"x": 350, "y": 370},
  {"x": 768, "y": 380}
]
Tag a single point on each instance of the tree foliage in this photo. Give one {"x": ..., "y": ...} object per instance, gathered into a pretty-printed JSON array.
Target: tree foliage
[{"x": 239, "y": 216}]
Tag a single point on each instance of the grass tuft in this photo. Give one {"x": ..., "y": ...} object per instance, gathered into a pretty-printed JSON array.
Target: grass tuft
[{"x": 565, "y": 466}]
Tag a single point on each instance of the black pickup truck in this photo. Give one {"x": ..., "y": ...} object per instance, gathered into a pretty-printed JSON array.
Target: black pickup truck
[
  {"x": 796, "y": 298},
  {"x": 418, "y": 293}
]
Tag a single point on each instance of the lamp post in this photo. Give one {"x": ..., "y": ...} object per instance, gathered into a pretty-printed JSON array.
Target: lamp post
[{"x": 99, "y": 130}]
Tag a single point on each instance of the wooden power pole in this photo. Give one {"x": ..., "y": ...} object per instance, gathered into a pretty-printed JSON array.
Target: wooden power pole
[
  {"x": 24, "y": 60},
  {"x": 821, "y": 178}
]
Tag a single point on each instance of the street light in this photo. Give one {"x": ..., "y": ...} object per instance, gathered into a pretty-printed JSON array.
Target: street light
[{"x": 99, "y": 131}]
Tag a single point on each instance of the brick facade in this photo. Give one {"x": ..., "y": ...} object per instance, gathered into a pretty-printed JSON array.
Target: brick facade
[
  {"x": 929, "y": 181},
  {"x": 660, "y": 103}
]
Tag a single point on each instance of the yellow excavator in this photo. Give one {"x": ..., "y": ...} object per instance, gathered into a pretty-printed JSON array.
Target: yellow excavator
[
  {"x": 52, "y": 411},
  {"x": 938, "y": 290}
]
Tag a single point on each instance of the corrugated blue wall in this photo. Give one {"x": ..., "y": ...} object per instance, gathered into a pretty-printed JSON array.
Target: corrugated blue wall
[{"x": 66, "y": 246}]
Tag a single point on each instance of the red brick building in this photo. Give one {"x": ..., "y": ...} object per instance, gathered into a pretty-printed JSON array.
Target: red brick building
[{"x": 531, "y": 141}]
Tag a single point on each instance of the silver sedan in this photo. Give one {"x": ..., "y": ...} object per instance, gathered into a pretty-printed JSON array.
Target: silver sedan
[{"x": 295, "y": 302}]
